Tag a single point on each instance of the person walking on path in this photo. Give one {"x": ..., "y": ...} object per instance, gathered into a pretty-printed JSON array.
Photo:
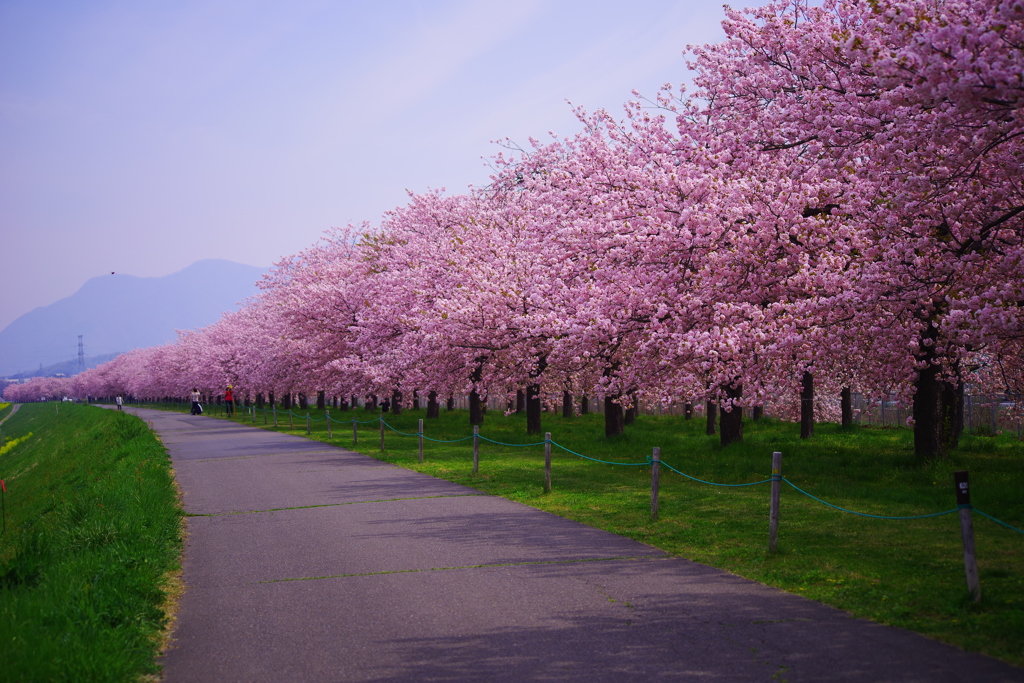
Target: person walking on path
[
  {"x": 196, "y": 408},
  {"x": 118, "y": 401},
  {"x": 229, "y": 402}
]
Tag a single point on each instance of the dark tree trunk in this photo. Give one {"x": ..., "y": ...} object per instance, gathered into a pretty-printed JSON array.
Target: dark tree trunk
[
  {"x": 629, "y": 417},
  {"x": 846, "y": 406},
  {"x": 585, "y": 405},
  {"x": 303, "y": 401},
  {"x": 533, "y": 409},
  {"x": 433, "y": 409},
  {"x": 415, "y": 399},
  {"x": 450, "y": 405},
  {"x": 614, "y": 419},
  {"x": 520, "y": 401},
  {"x": 259, "y": 401},
  {"x": 343, "y": 403},
  {"x": 935, "y": 406},
  {"x": 321, "y": 401},
  {"x": 758, "y": 412},
  {"x": 687, "y": 411},
  {"x": 807, "y": 405},
  {"x": 396, "y": 402},
  {"x": 270, "y": 399},
  {"x": 711, "y": 410},
  {"x": 371, "y": 403},
  {"x": 955, "y": 397},
  {"x": 566, "y": 404},
  {"x": 732, "y": 421},
  {"x": 476, "y": 413},
  {"x": 286, "y": 400}
]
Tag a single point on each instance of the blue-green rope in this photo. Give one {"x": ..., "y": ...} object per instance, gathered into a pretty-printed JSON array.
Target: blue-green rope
[
  {"x": 605, "y": 462},
  {"x": 1019, "y": 531},
  {"x": 864, "y": 514},
  {"x": 500, "y": 443},
  {"x": 753, "y": 483}
]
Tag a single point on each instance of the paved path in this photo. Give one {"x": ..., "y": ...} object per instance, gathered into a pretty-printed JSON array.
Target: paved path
[
  {"x": 308, "y": 562},
  {"x": 9, "y": 415}
]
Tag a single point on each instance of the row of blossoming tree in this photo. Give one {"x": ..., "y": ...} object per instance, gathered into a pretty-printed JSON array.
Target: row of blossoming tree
[{"x": 838, "y": 206}]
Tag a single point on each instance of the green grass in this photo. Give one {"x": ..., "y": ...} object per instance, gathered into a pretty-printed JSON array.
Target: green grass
[
  {"x": 905, "y": 573},
  {"x": 91, "y": 546}
]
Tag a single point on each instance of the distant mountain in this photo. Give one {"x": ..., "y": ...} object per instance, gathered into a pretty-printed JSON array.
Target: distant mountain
[
  {"x": 66, "y": 368},
  {"x": 118, "y": 313}
]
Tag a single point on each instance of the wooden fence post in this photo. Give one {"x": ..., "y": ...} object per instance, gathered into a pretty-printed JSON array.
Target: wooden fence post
[
  {"x": 963, "y": 501},
  {"x": 773, "y": 513},
  {"x": 275, "y": 417},
  {"x": 291, "y": 421},
  {"x": 421, "y": 439},
  {"x": 381, "y": 418},
  {"x": 264, "y": 416},
  {"x": 307, "y": 423},
  {"x": 547, "y": 462},
  {"x": 355, "y": 432},
  {"x": 476, "y": 448},
  {"x": 655, "y": 472},
  {"x": 327, "y": 418}
]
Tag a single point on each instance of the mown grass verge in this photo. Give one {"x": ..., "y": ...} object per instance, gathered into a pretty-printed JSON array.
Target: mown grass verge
[
  {"x": 904, "y": 573},
  {"x": 92, "y": 543}
]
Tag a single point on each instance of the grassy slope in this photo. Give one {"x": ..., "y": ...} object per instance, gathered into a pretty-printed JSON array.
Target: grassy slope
[
  {"x": 905, "y": 573},
  {"x": 93, "y": 531}
]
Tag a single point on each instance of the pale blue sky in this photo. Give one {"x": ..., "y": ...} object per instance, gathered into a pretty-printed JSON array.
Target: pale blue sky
[{"x": 139, "y": 137}]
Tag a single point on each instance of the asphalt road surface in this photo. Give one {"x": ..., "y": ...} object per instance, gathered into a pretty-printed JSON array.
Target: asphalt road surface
[{"x": 307, "y": 562}]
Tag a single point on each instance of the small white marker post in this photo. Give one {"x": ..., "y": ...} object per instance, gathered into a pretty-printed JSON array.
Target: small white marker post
[
  {"x": 476, "y": 448},
  {"x": 655, "y": 472},
  {"x": 547, "y": 462},
  {"x": 773, "y": 513},
  {"x": 421, "y": 439},
  {"x": 963, "y": 501}
]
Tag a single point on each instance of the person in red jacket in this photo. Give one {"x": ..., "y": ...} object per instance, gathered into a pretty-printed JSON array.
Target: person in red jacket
[{"x": 229, "y": 402}]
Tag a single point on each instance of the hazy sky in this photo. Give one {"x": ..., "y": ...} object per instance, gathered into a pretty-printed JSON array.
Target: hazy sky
[{"x": 139, "y": 137}]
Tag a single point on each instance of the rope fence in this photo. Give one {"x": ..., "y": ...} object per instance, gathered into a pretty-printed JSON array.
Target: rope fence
[{"x": 776, "y": 479}]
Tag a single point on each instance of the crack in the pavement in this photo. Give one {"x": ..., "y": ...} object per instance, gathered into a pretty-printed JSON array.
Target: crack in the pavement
[
  {"x": 468, "y": 566},
  {"x": 327, "y": 505}
]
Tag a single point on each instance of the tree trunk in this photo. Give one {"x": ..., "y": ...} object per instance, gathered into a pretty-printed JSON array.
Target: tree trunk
[
  {"x": 614, "y": 419},
  {"x": 533, "y": 407},
  {"x": 629, "y": 417},
  {"x": 687, "y": 411},
  {"x": 450, "y": 405},
  {"x": 433, "y": 409},
  {"x": 371, "y": 403},
  {"x": 846, "y": 406},
  {"x": 321, "y": 401},
  {"x": 711, "y": 408},
  {"x": 415, "y": 399},
  {"x": 303, "y": 401},
  {"x": 259, "y": 401},
  {"x": 935, "y": 407},
  {"x": 476, "y": 413},
  {"x": 585, "y": 405},
  {"x": 520, "y": 401},
  {"x": 807, "y": 405},
  {"x": 342, "y": 403},
  {"x": 270, "y": 398},
  {"x": 732, "y": 420},
  {"x": 396, "y": 402},
  {"x": 566, "y": 404},
  {"x": 758, "y": 412},
  {"x": 286, "y": 401}
]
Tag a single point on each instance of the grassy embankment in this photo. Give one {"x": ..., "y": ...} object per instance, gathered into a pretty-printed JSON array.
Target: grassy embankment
[
  {"x": 91, "y": 546},
  {"x": 905, "y": 573}
]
